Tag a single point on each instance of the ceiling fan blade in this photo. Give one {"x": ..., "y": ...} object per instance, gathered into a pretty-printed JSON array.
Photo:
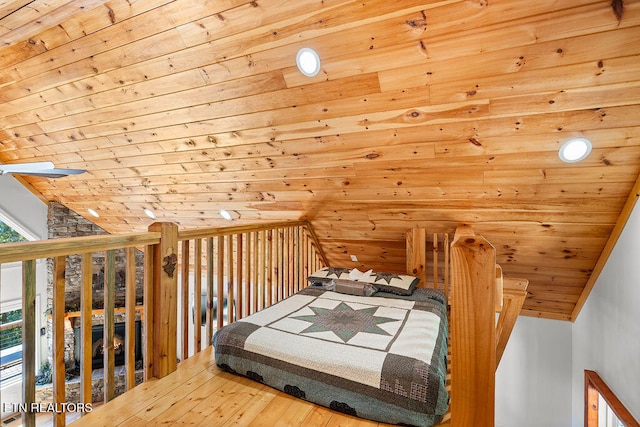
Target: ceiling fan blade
[
  {"x": 25, "y": 167},
  {"x": 43, "y": 169}
]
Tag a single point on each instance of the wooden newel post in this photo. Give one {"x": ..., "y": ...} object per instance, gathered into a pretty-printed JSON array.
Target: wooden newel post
[
  {"x": 164, "y": 310},
  {"x": 473, "y": 330}
]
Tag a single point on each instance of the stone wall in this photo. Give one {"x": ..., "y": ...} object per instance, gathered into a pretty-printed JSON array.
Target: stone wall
[{"x": 63, "y": 222}]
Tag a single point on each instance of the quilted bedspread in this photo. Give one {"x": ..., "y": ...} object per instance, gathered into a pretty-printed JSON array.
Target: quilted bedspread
[{"x": 381, "y": 357}]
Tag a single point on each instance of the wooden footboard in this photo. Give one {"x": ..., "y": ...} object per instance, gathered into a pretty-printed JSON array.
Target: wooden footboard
[{"x": 476, "y": 290}]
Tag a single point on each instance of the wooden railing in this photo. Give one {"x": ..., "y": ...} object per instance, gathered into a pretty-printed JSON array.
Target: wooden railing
[
  {"x": 249, "y": 267},
  {"x": 476, "y": 290}
]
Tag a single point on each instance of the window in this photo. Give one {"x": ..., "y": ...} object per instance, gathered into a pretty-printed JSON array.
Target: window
[
  {"x": 10, "y": 344},
  {"x": 602, "y": 407},
  {"x": 8, "y": 234}
]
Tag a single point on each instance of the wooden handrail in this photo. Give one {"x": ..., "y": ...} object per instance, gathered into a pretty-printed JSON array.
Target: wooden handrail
[
  {"x": 22, "y": 251},
  {"x": 201, "y": 233},
  {"x": 594, "y": 385}
]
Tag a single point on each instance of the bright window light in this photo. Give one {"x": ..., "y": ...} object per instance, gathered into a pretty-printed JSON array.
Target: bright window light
[
  {"x": 226, "y": 215},
  {"x": 308, "y": 61},
  {"x": 93, "y": 213},
  {"x": 150, "y": 214},
  {"x": 575, "y": 150}
]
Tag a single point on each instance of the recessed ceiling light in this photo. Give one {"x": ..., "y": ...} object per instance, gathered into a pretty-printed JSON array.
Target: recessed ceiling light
[
  {"x": 93, "y": 213},
  {"x": 226, "y": 215},
  {"x": 150, "y": 214},
  {"x": 308, "y": 61},
  {"x": 575, "y": 150}
]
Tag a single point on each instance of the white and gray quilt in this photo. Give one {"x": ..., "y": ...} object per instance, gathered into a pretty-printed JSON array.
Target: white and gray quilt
[{"x": 381, "y": 357}]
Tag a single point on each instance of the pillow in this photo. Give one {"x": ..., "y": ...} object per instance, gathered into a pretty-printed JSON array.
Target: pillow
[
  {"x": 351, "y": 287},
  {"x": 325, "y": 275},
  {"x": 400, "y": 284}
]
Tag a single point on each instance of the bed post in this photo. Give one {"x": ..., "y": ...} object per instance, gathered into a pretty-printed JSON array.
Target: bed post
[{"x": 473, "y": 330}]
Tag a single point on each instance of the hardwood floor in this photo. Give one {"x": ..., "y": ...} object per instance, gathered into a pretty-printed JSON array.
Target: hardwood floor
[{"x": 199, "y": 393}]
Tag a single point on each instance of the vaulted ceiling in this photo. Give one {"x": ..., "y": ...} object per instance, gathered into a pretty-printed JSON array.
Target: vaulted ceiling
[{"x": 431, "y": 113}]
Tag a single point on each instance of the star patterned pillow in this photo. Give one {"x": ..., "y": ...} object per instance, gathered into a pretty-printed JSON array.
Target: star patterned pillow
[{"x": 400, "y": 284}]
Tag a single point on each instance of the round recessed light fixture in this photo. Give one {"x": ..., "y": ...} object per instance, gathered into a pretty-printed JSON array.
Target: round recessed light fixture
[
  {"x": 93, "y": 213},
  {"x": 150, "y": 213},
  {"x": 575, "y": 150},
  {"x": 226, "y": 215},
  {"x": 308, "y": 61}
]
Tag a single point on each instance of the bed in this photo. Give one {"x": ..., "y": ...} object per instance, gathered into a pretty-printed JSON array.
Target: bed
[{"x": 381, "y": 357}]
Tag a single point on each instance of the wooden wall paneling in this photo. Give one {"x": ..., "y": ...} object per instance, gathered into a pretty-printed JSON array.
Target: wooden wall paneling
[
  {"x": 76, "y": 26},
  {"x": 9, "y": 7},
  {"x": 45, "y": 15},
  {"x": 58, "y": 319},
  {"x": 130, "y": 318}
]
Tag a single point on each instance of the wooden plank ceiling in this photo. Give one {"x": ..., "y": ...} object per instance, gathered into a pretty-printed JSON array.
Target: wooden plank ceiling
[{"x": 431, "y": 113}]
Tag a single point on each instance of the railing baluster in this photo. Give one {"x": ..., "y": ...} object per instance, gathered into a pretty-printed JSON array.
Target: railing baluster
[
  {"x": 148, "y": 345},
  {"x": 58, "y": 337},
  {"x": 86, "y": 389},
  {"x": 256, "y": 273},
  {"x": 185, "y": 298},
  {"x": 130, "y": 319},
  {"x": 282, "y": 293},
  {"x": 109, "y": 324},
  {"x": 269, "y": 267},
  {"x": 29, "y": 340},
  {"x": 230, "y": 282},
  {"x": 197, "y": 297},
  {"x": 220, "y": 284},
  {"x": 446, "y": 266},
  {"x": 239, "y": 266},
  {"x": 210, "y": 286}
]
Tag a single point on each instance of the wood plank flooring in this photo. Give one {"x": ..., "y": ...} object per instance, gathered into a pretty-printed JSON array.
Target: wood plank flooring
[{"x": 198, "y": 393}]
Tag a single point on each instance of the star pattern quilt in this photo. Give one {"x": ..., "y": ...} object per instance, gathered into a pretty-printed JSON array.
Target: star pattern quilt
[{"x": 381, "y": 357}]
